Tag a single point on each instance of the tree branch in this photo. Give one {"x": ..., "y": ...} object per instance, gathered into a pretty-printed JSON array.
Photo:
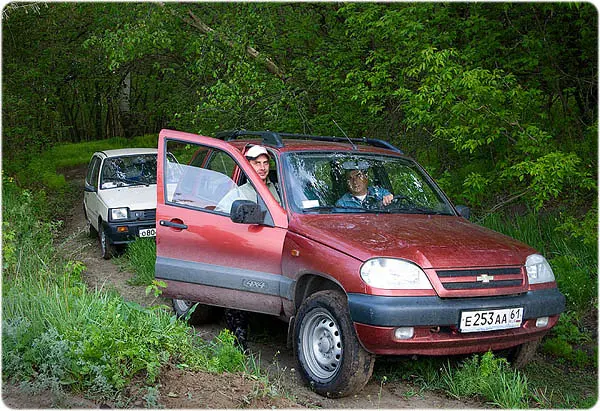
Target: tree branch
[{"x": 195, "y": 22}]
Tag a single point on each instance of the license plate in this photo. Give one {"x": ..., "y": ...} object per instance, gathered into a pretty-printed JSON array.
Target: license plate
[
  {"x": 147, "y": 232},
  {"x": 489, "y": 320}
]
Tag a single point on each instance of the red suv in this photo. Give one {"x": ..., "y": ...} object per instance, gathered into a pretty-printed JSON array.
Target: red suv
[{"x": 402, "y": 273}]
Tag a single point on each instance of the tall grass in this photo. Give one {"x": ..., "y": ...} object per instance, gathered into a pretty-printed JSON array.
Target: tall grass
[
  {"x": 574, "y": 261},
  {"x": 140, "y": 258},
  {"x": 485, "y": 377},
  {"x": 56, "y": 333}
]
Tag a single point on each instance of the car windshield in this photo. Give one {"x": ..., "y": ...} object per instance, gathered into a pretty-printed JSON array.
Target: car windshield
[
  {"x": 361, "y": 183},
  {"x": 128, "y": 170}
]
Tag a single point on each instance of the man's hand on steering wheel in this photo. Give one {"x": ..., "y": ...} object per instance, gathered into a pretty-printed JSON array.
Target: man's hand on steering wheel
[{"x": 387, "y": 200}]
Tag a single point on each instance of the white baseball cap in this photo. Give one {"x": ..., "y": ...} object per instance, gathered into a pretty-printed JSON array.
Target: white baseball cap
[{"x": 256, "y": 151}]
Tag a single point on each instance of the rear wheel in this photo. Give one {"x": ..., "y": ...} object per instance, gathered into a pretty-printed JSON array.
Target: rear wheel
[
  {"x": 329, "y": 355},
  {"x": 202, "y": 314}
]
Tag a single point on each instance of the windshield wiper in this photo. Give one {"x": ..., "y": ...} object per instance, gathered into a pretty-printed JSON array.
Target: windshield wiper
[
  {"x": 414, "y": 209},
  {"x": 127, "y": 180},
  {"x": 330, "y": 208}
]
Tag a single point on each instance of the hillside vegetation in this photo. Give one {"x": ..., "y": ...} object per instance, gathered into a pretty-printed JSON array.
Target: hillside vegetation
[{"x": 498, "y": 101}]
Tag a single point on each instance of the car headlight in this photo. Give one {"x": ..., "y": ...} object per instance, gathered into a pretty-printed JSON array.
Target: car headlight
[
  {"x": 121, "y": 213},
  {"x": 389, "y": 273},
  {"x": 538, "y": 270}
]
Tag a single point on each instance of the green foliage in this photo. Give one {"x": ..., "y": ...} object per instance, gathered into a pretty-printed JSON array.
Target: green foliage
[
  {"x": 484, "y": 376},
  {"x": 227, "y": 356},
  {"x": 564, "y": 336},
  {"x": 499, "y": 99},
  {"x": 140, "y": 258},
  {"x": 573, "y": 260},
  {"x": 489, "y": 377},
  {"x": 585, "y": 229},
  {"x": 57, "y": 334},
  {"x": 43, "y": 170}
]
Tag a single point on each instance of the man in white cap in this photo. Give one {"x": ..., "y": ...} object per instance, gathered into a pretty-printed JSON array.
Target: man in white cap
[{"x": 258, "y": 157}]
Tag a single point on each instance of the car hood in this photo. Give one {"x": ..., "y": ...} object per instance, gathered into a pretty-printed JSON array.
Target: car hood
[
  {"x": 135, "y": 197},
  {"x": 431, "y": 241}
]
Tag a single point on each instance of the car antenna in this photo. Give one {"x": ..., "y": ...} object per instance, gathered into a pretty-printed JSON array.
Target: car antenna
[{"x": 345, "y": 135}]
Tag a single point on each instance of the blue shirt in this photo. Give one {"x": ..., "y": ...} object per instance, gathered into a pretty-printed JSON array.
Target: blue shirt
[{"x": 373, "y": 199}]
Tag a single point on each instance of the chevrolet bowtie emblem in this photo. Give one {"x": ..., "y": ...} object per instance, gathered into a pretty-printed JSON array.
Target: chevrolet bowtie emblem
[{"x": 484, "y": 278}]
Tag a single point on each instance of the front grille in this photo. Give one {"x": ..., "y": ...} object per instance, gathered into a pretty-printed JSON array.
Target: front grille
[
  {"x": 478, "y": 279},
  {"x": 144, "y": 214}
]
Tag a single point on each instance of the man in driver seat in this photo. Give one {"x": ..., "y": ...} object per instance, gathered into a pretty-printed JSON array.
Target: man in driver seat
[{"x": 360, "y": 194}]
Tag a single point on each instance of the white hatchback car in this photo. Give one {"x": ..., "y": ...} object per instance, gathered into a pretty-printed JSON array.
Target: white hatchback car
[{"x": 119, "y": 198}]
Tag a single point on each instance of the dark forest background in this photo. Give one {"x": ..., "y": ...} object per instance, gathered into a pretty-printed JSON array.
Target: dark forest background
[{"x": 498, "y": 101}]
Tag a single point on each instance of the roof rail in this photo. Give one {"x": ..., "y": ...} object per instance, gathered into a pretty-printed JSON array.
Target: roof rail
[
  {"x": 268, "y": 137},
  {"x": 276, "y": 139}
]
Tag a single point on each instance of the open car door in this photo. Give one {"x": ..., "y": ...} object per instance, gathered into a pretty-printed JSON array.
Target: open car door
[{"x": 201, "y": 253}]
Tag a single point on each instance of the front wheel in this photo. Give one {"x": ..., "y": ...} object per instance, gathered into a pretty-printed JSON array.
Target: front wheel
[
  {"x": 522, "y": 355},
  {"x": 105, "y": 246},
  {"x": 329, "y": 355}
]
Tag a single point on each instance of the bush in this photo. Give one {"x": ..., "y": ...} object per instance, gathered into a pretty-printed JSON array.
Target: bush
[
  {"x": 57, "y": 334},
  {"x": 573, "y": 260}
]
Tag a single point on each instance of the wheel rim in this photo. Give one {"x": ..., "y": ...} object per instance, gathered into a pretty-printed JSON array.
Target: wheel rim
[
  {"x": 183, "y": 305},
  {"x": 321, "y": 344}
]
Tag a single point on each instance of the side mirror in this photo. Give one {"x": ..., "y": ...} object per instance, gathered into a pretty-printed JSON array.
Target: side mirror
[
  {"x": 464, "y": 211},
  {"x": 246, "y": 212},
  {"x": 89, "y": 188}
]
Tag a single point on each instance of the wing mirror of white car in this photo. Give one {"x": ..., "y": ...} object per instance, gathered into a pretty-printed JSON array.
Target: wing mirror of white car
[{"x": 89, "y": 188}]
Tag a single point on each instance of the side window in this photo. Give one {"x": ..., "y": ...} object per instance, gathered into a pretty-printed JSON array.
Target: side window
[
  {"x": 93, "y": 170},
  {"x": 191, "y": 185},
  {"x": 222, "y": 163}
]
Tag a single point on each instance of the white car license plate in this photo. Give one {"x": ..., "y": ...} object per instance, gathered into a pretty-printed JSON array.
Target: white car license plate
[
  {"x": 147, "y": 232},
  {"x": 489, "y": 320}
]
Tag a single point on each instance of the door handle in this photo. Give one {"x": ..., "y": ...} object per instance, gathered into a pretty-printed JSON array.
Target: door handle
[{"x": 173, "y": 224}]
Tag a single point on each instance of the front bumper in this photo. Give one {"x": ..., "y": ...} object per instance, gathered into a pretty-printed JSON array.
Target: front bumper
[
  {"x": 436, "y": 322},
  {"x": 117, "y": 236}
]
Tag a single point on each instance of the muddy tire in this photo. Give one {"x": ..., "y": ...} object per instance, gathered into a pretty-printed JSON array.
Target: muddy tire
[
  {"x": 521, "y": 355},
  {"x": 203, "y": 314},
  {"x": 105, "y": 246},
  {"x": 329, "y": 355}
]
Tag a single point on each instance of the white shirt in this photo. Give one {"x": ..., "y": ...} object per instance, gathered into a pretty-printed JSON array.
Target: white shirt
[{"x": 244, "y": 192}]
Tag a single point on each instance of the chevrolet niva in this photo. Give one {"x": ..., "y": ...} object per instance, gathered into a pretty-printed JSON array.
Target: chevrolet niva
[
  {"x": 348, "y": 241},
  {"x": 119, "y": 200}
]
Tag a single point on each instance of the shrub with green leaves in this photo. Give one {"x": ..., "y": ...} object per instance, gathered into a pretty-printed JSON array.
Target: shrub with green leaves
[
  {"x": 573, "y": 260},
  {"x": 56, "y": 333}
]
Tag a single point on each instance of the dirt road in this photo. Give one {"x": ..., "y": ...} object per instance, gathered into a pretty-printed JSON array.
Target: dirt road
[{"x": 182, "y": 389}]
